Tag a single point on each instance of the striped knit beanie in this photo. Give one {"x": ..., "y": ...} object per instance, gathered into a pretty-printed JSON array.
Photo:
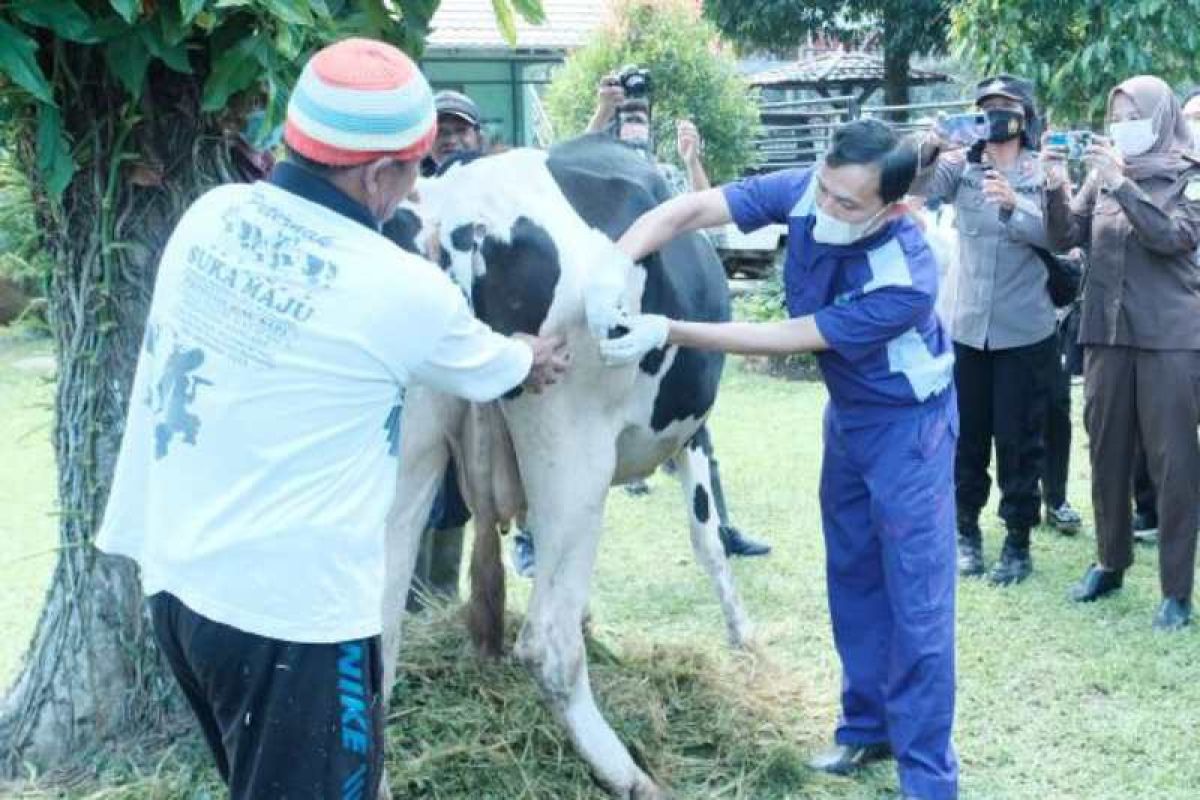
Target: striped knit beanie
[{"x": 359, "y": 100}]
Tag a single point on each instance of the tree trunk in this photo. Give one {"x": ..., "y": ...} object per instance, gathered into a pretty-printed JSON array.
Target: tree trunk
[
  {"x": 897, "y": 56},
  {"x": 93, "y": 676}
]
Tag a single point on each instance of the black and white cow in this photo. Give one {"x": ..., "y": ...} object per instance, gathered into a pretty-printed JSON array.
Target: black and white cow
[{"x": 528, "y": 234}]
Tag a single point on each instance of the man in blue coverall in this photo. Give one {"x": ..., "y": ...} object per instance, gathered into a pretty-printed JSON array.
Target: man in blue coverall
[{"x": 860, "y": 284}]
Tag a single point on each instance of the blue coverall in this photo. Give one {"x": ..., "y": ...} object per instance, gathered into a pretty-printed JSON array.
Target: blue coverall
[{"x": 887, "y": 485}]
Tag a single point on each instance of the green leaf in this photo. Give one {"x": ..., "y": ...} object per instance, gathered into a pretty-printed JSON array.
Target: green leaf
[
  {"x": 505, "y": 21},
  {"x": 376, "y": 16},
  {"x": 64, "y": 17},
  {"x": 293, "y": 12},
  {"x": 54, "y": 161},
  {"x": 287, "y": 42},
  {"x": 233, "y": 70},
  {"x": 531, "y": 10},
  {"x": 17, "y": 60},
  {"x": 128, "y": 9},
  {"x": 189, "y": 10},
  {"x": 173, "y": 55},
  {"x": 128, "y": 57},
  {"x": 206, "y": 21}
]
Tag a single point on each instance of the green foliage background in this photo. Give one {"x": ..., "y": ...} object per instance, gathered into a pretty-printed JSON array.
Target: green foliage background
[
  {"x": 692, "y": 79},
  {"x": 23, "y": 260},
  {"x": 1077, "y": 50}
]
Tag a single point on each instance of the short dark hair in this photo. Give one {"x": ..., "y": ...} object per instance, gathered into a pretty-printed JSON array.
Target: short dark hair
[
  {"x": 1192, "y": 95},
  {"x": 870, "y": 141}
]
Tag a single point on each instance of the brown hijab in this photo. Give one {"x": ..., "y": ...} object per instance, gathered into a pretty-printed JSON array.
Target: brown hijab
[{"x": 1155, "y": 101}]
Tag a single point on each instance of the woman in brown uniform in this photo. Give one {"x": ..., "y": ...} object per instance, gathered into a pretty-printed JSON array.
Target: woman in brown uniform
[{"x": 1138, "y": 215}]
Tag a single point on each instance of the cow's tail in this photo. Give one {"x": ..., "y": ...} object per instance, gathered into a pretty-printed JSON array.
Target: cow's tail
[{"x": 485, "y": 611}]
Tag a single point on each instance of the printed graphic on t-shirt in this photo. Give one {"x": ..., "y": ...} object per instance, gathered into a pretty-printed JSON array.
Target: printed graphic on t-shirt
[
  {"x": 392, "y": 426},
  {"x": 241, "y": 298},
  {"x": 173, "y": 388},
  {"x": 246, "y": 290}
]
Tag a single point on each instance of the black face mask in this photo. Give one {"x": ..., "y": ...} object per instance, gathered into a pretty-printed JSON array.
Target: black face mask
[{"x": 1004, "y": 124}]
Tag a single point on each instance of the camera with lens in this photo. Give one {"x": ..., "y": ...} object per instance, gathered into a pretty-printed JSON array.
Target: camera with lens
[{"x": 636, "y": 82}]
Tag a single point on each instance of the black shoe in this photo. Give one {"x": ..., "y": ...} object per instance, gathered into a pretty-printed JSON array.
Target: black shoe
[
  {"x": 1145, "y": 527},
  {"x": 1173, "y": 615},
  {"x": 637, "y": 489},
  {"x": 1097, "y": 582},
  {"x": 736, "y": 544},
  {"x": 970, "y": 557},
  {"x": 846, "y": 759},
  {"x": 1064, "y": 519},
  {"x": 1014, "y": 566}
]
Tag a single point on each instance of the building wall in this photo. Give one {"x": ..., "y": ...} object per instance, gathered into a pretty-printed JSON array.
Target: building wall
[{"x": 500, "y": 86}]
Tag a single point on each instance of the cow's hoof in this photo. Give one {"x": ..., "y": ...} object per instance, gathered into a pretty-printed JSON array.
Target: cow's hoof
[
  {"x": 741, "y": 637},
  {"x": 647, "y": 789},
  {"x": 385, "y": 791},
  {"x": 748, "y": 643}
]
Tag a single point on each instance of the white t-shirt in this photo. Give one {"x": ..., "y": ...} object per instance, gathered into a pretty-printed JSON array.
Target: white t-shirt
[{"x": 259, "y": 456}]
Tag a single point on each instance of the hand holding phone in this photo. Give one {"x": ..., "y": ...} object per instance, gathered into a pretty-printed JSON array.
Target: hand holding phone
[{"x": 962, "y": 129}]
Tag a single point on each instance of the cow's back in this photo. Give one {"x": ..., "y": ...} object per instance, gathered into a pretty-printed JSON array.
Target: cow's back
[{"x": 610, "y": 185}]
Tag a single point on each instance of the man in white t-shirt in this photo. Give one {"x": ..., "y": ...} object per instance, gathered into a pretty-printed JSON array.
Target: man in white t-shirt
[{"x": 259, "y": 456}]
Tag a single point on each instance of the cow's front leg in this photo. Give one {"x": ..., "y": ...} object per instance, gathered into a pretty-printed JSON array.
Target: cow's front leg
[
  {"x": 566, "y": 487},
  {"x": 695, "y": 474}
]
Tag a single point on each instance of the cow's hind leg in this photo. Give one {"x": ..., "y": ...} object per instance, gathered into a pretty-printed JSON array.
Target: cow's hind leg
[
  {"x": 424, "y": 455},
  {"x": 695, "y": 475}
]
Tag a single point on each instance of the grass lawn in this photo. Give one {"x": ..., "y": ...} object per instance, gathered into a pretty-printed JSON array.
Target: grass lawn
[
  {"x": 1055, "y": 701},
  {"x": 27, "y": 496}
]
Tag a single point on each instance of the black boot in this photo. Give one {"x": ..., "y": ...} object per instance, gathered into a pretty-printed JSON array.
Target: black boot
[
  {"x": 445, "y": 562},
  {"x": 1015, "y": 564},
  {"x": 418, "y": 590},
  {"x": 1096, "y": 583},
  {"x": 846, "y": 759},
  {"x": 1174, "y": 614},
  {"x": 435, "y": 575},
  {"x": 1064, "y": 519},
  {"x": 736, "y": 544},
  {"x": 1145, "y": 527},
  {"x": 970, "y": 547}
]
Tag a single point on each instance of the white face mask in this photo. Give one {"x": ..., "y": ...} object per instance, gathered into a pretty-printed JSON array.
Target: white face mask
[
  {"x": 1194, "y": 126},
  {"x": 1132, "y": 137},
  {"x": 831, "y": 230}
]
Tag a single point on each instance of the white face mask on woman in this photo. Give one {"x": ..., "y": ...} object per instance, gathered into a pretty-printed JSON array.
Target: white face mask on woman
[
  {"x": 1133, "y": 137},
  {"x": 831, "y": 230}
]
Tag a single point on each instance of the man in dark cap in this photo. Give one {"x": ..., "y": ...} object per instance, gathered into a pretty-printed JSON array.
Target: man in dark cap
[{"x": 459, "y": 129}]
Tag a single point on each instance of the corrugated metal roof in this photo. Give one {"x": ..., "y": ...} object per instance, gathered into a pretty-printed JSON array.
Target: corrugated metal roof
[
  {"x": 825, "y": 67},
  {"x": 471, "y": 25}
]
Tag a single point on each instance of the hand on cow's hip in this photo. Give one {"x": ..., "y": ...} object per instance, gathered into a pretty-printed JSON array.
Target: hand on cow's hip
[
  {"x": 550, "y": 360},
  {"x": 645, "y": 333}
]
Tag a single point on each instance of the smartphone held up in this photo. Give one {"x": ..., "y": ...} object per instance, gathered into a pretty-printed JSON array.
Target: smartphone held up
[{"x": 962, "y": 129}]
